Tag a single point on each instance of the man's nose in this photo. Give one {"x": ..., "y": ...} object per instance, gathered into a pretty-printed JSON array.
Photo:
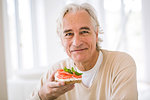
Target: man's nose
[{"x": 77, "y": 40}]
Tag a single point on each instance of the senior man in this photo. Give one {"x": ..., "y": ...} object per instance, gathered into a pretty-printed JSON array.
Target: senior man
[{"x": 107, "y": 75}]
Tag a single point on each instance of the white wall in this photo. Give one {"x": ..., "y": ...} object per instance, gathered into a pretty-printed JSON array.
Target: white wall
[
  {"x": 146, "y": 32},
  {"x": 52, "y": 9},
  {"x": 3, "y": 85},
  {"x": 20, "y": 89}
]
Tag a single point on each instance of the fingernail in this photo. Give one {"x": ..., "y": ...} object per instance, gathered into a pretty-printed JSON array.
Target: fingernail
[{"x": 62, "y": 83}]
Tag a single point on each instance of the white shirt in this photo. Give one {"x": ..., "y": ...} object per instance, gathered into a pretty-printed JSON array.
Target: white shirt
[{"x": 88, "y": 76}]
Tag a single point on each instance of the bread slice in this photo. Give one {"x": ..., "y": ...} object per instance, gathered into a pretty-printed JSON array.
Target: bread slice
[
  {"x": 73, "y": 81},
  {"x": 68, "y": 80}
]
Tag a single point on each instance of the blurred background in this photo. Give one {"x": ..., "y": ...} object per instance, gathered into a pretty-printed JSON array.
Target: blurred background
[{"x": 29, "y": 43}]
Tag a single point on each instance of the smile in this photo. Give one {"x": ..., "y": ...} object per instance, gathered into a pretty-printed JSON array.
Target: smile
[{"x": 78, "y": 50}]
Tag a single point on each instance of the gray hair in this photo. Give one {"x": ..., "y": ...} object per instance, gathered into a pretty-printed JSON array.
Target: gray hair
[{"x": 74, "y": 8}]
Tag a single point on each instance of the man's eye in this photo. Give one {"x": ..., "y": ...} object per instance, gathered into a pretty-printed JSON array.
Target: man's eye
[
  {"x": 82, "y": 32},
  {"x": 68, "y": 34}
]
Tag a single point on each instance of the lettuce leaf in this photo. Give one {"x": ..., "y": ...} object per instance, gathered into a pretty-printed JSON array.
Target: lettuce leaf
[{"x": 71, "y": 71}]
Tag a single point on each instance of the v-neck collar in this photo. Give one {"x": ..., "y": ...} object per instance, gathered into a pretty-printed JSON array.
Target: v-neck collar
[{"x": 97, "y": 75}]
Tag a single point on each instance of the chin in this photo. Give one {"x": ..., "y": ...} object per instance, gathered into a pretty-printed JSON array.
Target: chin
[{"x": 79, "y": 59}]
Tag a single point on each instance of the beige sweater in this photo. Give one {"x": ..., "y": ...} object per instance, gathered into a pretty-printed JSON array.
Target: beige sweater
[{"x": 115, "y": 80}]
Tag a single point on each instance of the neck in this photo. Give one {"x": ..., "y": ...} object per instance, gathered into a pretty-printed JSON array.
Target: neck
[{"x": 87, "y": 65}]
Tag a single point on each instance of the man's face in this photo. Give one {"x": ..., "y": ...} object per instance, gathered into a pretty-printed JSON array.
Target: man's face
[{"x": 79, "y": 38}]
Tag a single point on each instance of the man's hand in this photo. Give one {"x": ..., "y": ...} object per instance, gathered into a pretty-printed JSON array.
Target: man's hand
[{"x": 51, "y": 89}]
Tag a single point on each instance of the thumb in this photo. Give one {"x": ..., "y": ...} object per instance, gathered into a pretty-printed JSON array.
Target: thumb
[{"x": 52, "y": 76}]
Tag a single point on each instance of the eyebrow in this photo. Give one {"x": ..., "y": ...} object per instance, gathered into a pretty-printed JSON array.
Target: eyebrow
[
  {"x": 68, "y": 30},
  {"x": 86, "y": 28}
]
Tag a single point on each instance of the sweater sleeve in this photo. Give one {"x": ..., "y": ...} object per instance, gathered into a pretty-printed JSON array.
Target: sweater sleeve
[
  {"x": 34, "y": 95},
  {"x": 124, "y": 79},
  {"x": 45, "y": 77}
]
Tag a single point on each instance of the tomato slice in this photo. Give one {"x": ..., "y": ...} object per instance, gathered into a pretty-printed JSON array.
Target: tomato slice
[
  {"x": 65, "y": 75},
  {"x": 60, "y": 70}
]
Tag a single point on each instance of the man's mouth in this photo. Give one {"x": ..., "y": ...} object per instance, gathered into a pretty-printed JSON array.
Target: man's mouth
[{"x": 78, "y": 50}]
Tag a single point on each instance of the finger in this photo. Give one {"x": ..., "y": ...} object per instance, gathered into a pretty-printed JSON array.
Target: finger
[
  {"x": 62, "y": 90},
  {"x": 69, "y": 87},
  {"x": 66, "y": 88},
  {"x": 56, "y": 84},
  {"x": 52, "y": 77}
]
